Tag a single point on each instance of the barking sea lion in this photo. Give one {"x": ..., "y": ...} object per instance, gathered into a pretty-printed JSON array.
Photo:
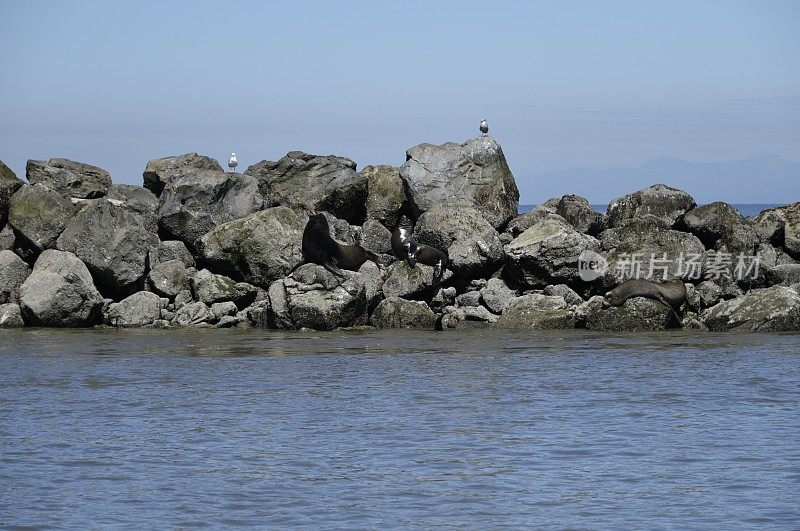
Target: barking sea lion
[
  {"x": 672, "y": 292},
  {"x": 320, "y": 248},
  {"x": 406, "y": 248}
]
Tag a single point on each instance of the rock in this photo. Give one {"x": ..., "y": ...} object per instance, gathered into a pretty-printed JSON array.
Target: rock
[
  {"x": 38, "y": 216},
  {"x": 228, "y": 321},
  {"x": 781, "y": 227},
  {"x": 537, "y": 312},
  {"x": 372, "y": 276},
  {"x": 259, "y": 313},
  {"x": 183, "y": 298},
  {"x": 168, "y": 278},
  {"x": 466, "y": 317},
  {"x": 496, "y": 294},
  {"x": 775, "y": 309},
  {"x": 13, "y": 272},
  {"x": 140, "y": 309},
  {"x": 9, "y": 184},
  {"x": 343, "y": 231},
  {"x": 578, "y": 213},
  {"x": 193, "y": 313},
  {"x": 783, "y": 275},
  {"x": 705, "y": 294},
  {"x": 314, "y": 182},
  {"x": 60, "y": 292},
  {"x": 167, "y": 315},
  {"x": 638, "y": 314},
  {"x": 562, "y": 290},
  {"x": 395, "y": 312},
  {"x": 222, "y": 309},
  {"x": 403, "y": 281},
  {"x": 523, "y": 222},
  {"x": 258, "y": 249},
  {"x": 69, "y": 178},
  {"x": 721, "y": 227},
  {"x": 470, "y": 298},
  {"x": 471, "y": 243},
  {"x": 547, "y": 253},
  {"x": 209, "y": 288},
  {"x": 10, "y": 316},
  {"x": 632, "y": 229},
  {"x": 375, "y": 237},
  {"x": 138, "y": 200},
  {"x": 170, "y": 250},
  {"x": 474, "y": 174},
  {"x": 661, "y": 201},
  {"x": 7, "y": 238},
  {"x": 194, "y": 203},
  {"x": 160, "y": 172},
  {"x": 385, "y": 194}
]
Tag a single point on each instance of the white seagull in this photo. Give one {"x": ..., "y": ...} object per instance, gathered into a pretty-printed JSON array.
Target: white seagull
[
  {"x": 232, "y": 162},
  {"x": 484, "y": 127}
]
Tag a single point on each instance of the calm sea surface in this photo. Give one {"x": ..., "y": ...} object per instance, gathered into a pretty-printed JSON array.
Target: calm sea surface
[{"x": 477, "y": 429}]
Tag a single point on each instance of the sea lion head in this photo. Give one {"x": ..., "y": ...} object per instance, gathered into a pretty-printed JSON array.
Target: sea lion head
[
  {"x": 613, "y": 298},
  {"x": 318, "y": 222},
  {"x": 404, "y": 221}
]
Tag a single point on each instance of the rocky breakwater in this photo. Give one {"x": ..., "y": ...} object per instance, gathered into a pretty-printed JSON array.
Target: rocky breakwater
[{"x": 200, "y": 247}]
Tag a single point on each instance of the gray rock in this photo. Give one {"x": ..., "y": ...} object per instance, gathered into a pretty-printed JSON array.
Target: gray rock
[
  {"x": 496, "y": 294},
  {"x": 783, "y": 275},
  {"x": 443, "y": 298},
  {"x": 167, "y": 315},
  {"x": 313, "y": 182},
  {"x": 258, "y": 249},
  {"x": 636, "y": 315},
  {"x": 474, "y": 174},
  {"x": 168, "y": 278},
  {"x": 547, "y": 253},
  {"x": 160, "y": 172},
  {"x": 38, "y": 216},
  {"x": 259, "y": 313},
  {"x": 13, "y": 272},
  {"x": 375, "y": 237},
  {"x": 194, "y": 203},
  {"x": 471, "y": 243},
  {"x": 537, "y": 312},
  {"x": 209, "y": 288},
  {"x": 781, "y": 227},
  {"x": 385, "y": 194},
  {"x": 9, "y": 184},
  {"x": 69, "y": 178},
  {"x": 60, "y": 292},
  {"x": 661, "y": 201},
  {"x": 11, "y": 316},
  {"x": 6, "y": 238},
  {"x": 401, "y": 313},
  {"x": 775, "y": 309},
  {"x": 140, "y": 309},
  {"x": 170, "y": 250},
  {"x": 705, "y": 294},
  {"x": 467, "y": 317},
  {"x": 720, "y": 226},
  {"x": 578, "y": 213},
  {"x": 229, "y": 321},
  {"x": 403, "y": 281},
  {"x": 113, "y": 242},
  {"x": 470, "y": 298},
  {"x": 523, "y": 222},
  {"x": 372, "y": 276},
  {"x": 193, "y": 313},
  {"x": 562, "y": 290},
  {"x": 222, "y": 309},
  {"x": 138, "y": 200},
  {"x": 183, "y": 298}
]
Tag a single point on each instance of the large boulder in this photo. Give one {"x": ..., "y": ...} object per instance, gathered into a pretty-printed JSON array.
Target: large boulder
[
  {"x": 60, "y": 292},
  {"x": 537, "y": 312},
  {"x": 547, "y": 253},
  {"x": 7, "y": 238},
  {"x": 13, "y": 272},
  {"x": 69, "y": 178},
  {"x": 113, "y": 242},
  {"x": 471, "y": 243},
  {"x": 775, "y": 309},
  {"x": 496, "y": 294},
  {"x": 140, "y": 309},
  {"x": 196, "y": 202},
  {"x": 385, "y": 194},
  {"x": 160, "y": 172},
  {"x": 663, "y": 202},
  {"x": 11, "y": 316},
  {"x": 579, "y": 213},
  {"x": 138, "y": 200},
  {"x": 313, "y": 182},
  {"x": 9, "y": 184},
  {"x": 473, "y": 174},
  {"x": 637, "y": 314},
  {"x": 258, "y": 248},
  {"x": 407, "y": 282},
  {"x": 168, "y": 278},
  {"x": 781, "y": 227},
  {"x": 38, "y": 216},
  {"x": 720, "y": 226},
  {"x": 375, "y": 237},
  {"x": 194, "y": 313},
  {"x": 523, "y": 222},
  {"x": 312, "y": 297},
  {"x": 783, "y": 274},
  {"x": 209, "y": 288},
  {"x": 395, "y": 312}
]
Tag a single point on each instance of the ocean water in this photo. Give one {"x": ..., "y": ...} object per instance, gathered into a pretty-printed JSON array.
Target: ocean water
[
  {"x": 747, "y": 210},
  {"x": 398, "y": 429}
]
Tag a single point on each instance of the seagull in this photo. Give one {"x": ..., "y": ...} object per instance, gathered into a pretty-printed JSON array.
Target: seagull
[
  {"x": 484, "y": 127},
  {"x": 232, "y": 162}
]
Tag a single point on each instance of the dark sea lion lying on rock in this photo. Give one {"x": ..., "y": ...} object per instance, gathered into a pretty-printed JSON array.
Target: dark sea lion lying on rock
[
  {"x": 320, "y": 248},
  {"x": 672, "y": 292},
  {"x": 406, "y": 248}
]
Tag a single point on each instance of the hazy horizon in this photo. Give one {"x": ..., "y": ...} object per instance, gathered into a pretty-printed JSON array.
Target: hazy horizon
[{"x": 564, "y": 86}]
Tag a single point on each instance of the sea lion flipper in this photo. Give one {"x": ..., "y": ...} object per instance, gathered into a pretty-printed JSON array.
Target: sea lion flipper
[
  {"x": 665, "y": 302},
  {"x": 333, "y": 269}
]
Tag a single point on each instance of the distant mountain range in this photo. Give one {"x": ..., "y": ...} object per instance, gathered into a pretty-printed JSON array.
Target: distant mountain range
[{"x": 764, "y": 179}]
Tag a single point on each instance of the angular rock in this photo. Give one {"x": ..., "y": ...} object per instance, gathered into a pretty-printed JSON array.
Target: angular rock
[
  {"x": 395, "y": 312},
  {"x": 775, "y": 309},
  {"x": 60, "y": 292},
  {"x": 69, "y": 178},
  {"x": 720, "y": 226},
  {"x": 9, "y": 184},
  {"x": 113, "y": 242},
  {"x": 183, "y": 298},
  {"x": 537, "y": 312},
  {"x": 140, "y": 309},
  {"x": 138, "y": 200},
  {"x": 578, "y": 213},
  {"x": 782, "y": 275},
  {"x": 372, "y": 276},
  {"x": 547, "y": 253},
  {"x": 258, "y": 249},
  {"x": 314, "y": 182},
  {"x": 496, "y": 295},
  {"x": 661, "y": 201},
  {"x": 474, "y": 174},
  {"x": 193, "y": 313},
  {"x": 170, "y": 250},
  {"x": 466, "y": 317},
  {"x": 7, "y": 238},
  {"x": 470, "y": 298},
  {"x": 13, "y": 272},
  {"x": 781, "y": 227},
  {"x": 168, "y": 278},
  {"x": 11, "y": 316},
  {"x": 523, "y": 222},
  {"x": 443, "y": 298},
  {"x": 222, "y": 309},
  {"x": 160, "y": 172},
  {"x": 638, "y": 314},
  {"x": 403, "y": 281},
  {"x": 375, "y": 237},
  {"x": 562, "y": 290},
  {"x": 385, "y": 194},
  {"x": 229, "y": 321},
  {"x": 259, "y": 313},
  {"x": 209, "y": 288},
  {"x": 705, "y": 294},
  {"x": 38, "y": 216}
]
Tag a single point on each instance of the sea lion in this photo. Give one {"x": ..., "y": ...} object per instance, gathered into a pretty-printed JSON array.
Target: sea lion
[
  {"x": 672, "y": 292},
  {"x": 406, "y": 248},
  {"x": 320, "y": 248}
]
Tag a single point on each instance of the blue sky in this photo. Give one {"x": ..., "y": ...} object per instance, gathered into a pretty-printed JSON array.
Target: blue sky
[{"x": 563, "y": 84}]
